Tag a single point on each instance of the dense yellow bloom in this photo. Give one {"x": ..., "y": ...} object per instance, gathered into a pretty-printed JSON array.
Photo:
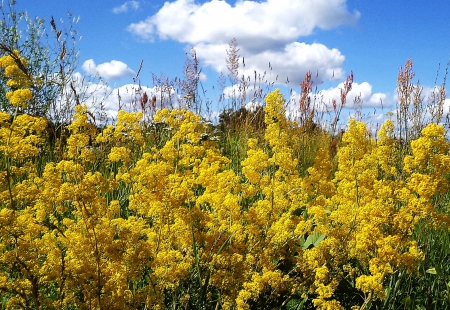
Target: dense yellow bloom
[
  {"x": 18, "y": 78},
  {"x": 19, "y": 97},
  {"x": 124, "y": 222},
  {"x": 23, "y": 137},
  {"x": 128, "y": 127},
  {"x": 106, "y": 135},
  {"x": 386, "y": 149},
  {"x": 82, "y": 133},
  {"x": 119, "y": 154}
]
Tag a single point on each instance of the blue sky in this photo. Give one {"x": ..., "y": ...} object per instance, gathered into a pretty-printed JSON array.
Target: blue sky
[{"x": 332, "y": 37}]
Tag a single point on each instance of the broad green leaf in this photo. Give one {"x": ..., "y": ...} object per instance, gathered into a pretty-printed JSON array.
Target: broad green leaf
[
  {"x": 431, "y": 271},
  {"x": 313, "y": 240},
  {"x": 299, "y": 211}
]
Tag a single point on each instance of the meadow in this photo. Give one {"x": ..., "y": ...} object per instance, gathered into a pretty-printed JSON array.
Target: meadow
[{"x": 165, "y": 210}]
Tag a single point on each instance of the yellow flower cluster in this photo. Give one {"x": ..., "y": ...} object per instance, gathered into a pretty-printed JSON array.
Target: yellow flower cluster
[
  {"x": 19, "y": 81},
  {"x": 123, "y": 223},
  {"x": 21, "y": 136}
]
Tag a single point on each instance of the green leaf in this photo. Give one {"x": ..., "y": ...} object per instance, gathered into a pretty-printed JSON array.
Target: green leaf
[
  {"x": 299, "y": 211},
  {"x": 225, "y": 244},
  {"x": 296, "y": 304},
  {"x": 431, "y": 271},
  {"x": 313, "y": 240}
]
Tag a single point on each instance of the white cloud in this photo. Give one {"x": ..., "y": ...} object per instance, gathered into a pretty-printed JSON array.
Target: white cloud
[
  {"x": 98, "y": 95},
  {"x": 127, "y": 98},
  {"x": 322, "y": 100},
  {"x": 112, "y": 70},
  {"x": 447, "y": 106},
  {"x": 237, "y": 93},
  {"x": 257, "y": 24},
  {"x": 363, "y": 90},
  {"x": 203, "y": 77},
  {"x": 266, "y": 31},
  {"x": 129, "y": 5},
  {"x": 291, "y": 62}
]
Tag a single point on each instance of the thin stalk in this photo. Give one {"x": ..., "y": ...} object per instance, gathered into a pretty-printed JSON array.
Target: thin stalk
[{"x": 8, "y": 168}]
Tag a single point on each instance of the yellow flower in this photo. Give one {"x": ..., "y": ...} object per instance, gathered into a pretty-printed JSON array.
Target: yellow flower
[
  {"x": 119, "y": 154},
  {"x": 19, "y": 97}
]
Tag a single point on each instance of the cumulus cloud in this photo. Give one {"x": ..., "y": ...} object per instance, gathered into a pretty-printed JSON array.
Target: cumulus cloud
[
  {"x": 112, "y": 70},
  {"x": 250, "y": 97},
  {"x": 127, "y": 97},
  {"x": 257, "y": 23},
  {"x": 432, "y": 100},
  {"x": 203, "y": 77},
  {"x": 288, "y": 64},
  {"x": 266, "y": 31},
  {"x": 362, "y": 90},
  {"x": 370, "y": 101},
  {"x": 446, "y": 106},
  {"x": 129, "y": 5}
]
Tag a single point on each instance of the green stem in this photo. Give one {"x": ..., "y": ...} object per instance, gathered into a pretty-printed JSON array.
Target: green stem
[{"x": 8, "y": 168}]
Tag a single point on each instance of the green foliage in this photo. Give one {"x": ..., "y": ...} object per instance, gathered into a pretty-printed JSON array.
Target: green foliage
[{"x": 51, "y": 53}]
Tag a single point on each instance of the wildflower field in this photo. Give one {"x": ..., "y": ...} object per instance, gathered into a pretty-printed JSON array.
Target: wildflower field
[{"x": 174, "y": 212}]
